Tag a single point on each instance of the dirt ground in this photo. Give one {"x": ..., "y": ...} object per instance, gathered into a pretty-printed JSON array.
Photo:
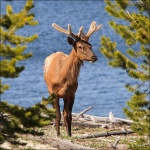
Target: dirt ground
[{"x": 82, "y": 128}]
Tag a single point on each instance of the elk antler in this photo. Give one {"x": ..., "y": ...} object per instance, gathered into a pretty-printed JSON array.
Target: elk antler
[
  {"x": 69, "y": 31},
  {"x": 93, "y": 28}
]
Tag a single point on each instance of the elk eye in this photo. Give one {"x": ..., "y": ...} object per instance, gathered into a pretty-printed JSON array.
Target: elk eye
[{"x": 80, "y": 47}]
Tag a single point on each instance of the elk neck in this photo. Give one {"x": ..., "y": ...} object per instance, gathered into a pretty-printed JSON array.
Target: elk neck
[{"x": 72, "y": 67}]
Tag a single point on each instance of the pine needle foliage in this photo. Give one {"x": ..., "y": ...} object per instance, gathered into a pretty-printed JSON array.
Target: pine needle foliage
[
  {"x": 12, "y": 46},
  {"x": 136, "y": 62},
  {"x": 15, "y": 119}
]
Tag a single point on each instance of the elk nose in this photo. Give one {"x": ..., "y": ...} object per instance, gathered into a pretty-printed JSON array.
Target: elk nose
[{"x": 94, "y": 58}]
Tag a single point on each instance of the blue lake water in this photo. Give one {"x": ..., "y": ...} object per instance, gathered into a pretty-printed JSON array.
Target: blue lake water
[{"x": 99, "y": 85}]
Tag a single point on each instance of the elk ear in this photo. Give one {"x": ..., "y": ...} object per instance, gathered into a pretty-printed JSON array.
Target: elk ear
[{"x": 71, "y": 41}]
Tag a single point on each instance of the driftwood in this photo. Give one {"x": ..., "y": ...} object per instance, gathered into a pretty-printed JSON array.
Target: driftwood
[
  {"x": 115, "y": 144},
  {"x": 81, "y": 120},
  {"x": 93, "y": 122},
  {"x": 86, "y": 124},
  {"x": 81, "y": 124},
  {"x": 103, "y": 119},
  {"x": 84, "y": 111},
  {"x": 111, "y": 117},
  {"x": 78, "y": 119},
  {"x": 106, "y": 134}
]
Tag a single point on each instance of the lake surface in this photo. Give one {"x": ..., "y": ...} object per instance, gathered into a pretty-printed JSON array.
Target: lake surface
[{"x": 99, "y": 85}]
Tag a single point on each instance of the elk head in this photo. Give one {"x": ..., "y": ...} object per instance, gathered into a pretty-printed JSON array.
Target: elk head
[{"x": 79, "y": 41}]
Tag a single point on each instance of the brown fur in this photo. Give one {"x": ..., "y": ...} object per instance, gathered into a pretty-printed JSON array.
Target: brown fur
[{"x": 62, "y": 77}]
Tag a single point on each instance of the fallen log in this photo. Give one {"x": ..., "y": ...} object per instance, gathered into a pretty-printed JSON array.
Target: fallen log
[
  {"x": 106, "y": 134},
  {"x": 68, "y": 145},
  {"x": 86, "y": 124},
  {"x": 81, "y": 124},
  {"x": 104, "y": 119}
]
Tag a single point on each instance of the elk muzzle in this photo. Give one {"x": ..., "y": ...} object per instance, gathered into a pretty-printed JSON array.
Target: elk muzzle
[{"x": 94, "y": 58}]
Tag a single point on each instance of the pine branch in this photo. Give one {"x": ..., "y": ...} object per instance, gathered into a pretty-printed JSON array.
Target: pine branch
[
  {"x": 142, "y": 72},
  {"x": 139, "y": 86},
  {"x": 147, "y": 90},
  {"x": 10, "y": 33},
  {"x": 15, "y": 27},
  {"x": 135, "y": 30},
  {"x": 130, "y": 16},
  {"x": 148, "y": 93}
]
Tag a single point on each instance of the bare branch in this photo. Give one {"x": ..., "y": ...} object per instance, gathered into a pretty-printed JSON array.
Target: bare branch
[
  {"x": 140, "y": 85},
  {"x": 115, "y": 144},
  {"x": 148, "y": 89},
  {"x": 84, "y": 111}
]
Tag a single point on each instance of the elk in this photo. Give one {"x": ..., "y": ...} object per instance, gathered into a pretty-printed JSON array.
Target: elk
[{"x": 61, "y": 71}]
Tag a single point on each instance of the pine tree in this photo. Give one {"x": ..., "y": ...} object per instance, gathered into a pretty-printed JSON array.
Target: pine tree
[
  {"x": 13, "y": 118},
  {"x": 12, "y": 46},
  {"x": 136, "y": 62}
]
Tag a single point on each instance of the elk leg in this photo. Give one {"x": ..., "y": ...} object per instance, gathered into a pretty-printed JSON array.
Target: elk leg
[
  {"x": 58, "y": 114},
  {"x": 67, "y": 113},
  {"x": 70, "y": 106}
]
